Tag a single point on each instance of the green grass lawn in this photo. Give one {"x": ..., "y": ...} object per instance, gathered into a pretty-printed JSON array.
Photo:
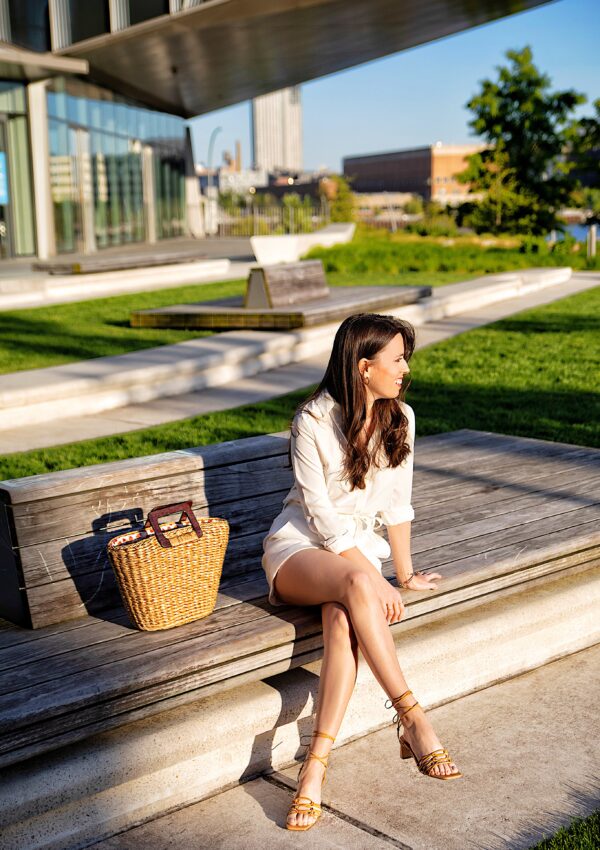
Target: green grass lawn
[
  {"x": 532, "y": 374},
  {"x": 63, "y": 333},
  {"x": 581, "y": 834},
  {"x": 49, "y": 336}
]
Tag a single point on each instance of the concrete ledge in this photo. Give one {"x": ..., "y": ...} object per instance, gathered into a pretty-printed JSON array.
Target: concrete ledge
[
  {"x": 40, "y": 290},
  {"x": 93, "y": 790},
  {"x": 105, "y": 383},
  {"x": 269, "y": 250}
]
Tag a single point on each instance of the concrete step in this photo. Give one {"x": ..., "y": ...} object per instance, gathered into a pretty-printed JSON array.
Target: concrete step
[
  {"x": 525, "y": 774},
  {"x": 107, "y": 383},
  {"x": 116, "y": 780},
  {"x": 36, "y": 289}
]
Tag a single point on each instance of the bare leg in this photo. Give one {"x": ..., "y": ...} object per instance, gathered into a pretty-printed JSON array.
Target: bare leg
[
  {"x": 336, "y": 683},
  {"x": 316, "y": 576}
]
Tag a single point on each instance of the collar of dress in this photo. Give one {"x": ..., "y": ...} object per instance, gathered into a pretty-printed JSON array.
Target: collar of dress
[
  {"x": 322, "y": 405},
  {"x": 325, "y": 407}
]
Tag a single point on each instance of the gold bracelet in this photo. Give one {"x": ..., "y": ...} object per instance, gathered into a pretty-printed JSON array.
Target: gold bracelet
[{"x": 405, "y": 581}]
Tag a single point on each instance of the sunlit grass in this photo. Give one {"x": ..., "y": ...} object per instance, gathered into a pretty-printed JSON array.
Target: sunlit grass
[
  {"x": 63, "y": 333},
  {"x": 581, "y": 834},
  {"x": 533, "y": 374}
]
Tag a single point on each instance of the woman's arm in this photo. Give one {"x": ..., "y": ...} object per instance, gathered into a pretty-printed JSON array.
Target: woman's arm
[{"x": 399, "y": 537}]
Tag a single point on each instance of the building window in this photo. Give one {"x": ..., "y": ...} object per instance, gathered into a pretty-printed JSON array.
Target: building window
[
  {"x": 30, "y": 24},
  {"x": 97, "y": 164},
  {"x": 142, "y": 10},
  {"x": 88, "y": 19}
]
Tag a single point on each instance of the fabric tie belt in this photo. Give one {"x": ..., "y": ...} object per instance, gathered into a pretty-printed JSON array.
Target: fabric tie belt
[{"x": 367, "y": 521}]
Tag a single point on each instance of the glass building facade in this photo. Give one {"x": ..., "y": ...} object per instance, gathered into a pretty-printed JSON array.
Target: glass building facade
[
  {"x": 117, "y": 170},
  {"x": 83, "y": 167},
  {"x": 17, "y": 224}
]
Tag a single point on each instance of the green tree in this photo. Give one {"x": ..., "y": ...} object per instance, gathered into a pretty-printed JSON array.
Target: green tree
[
  {"x": 523, "y": 172},
  {"x": 414, "y": 206},
  {"x": 585, "y": 154},
  {"x": 342, "y": 205}
]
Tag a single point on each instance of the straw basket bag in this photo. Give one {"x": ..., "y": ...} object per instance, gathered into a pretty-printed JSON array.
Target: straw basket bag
[{"x": 169, "y": 575}]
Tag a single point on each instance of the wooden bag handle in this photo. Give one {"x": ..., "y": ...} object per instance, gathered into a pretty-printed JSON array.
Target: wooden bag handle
[{"x": 166, "y": 510}]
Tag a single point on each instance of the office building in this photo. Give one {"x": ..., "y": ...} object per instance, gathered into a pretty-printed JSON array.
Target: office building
[
  {"x": 277, "y": 131},
  {"x": 428, "y": 171},
  {"x": 94, "y": 95}
]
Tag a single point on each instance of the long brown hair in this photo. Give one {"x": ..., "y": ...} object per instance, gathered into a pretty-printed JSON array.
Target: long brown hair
[{"x": 364, "y": 335}]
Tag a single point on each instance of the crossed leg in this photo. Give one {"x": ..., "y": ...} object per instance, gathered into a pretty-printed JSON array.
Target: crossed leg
[
  {"x": 336, "y": 683},
  {"x": 319, "y": 577}
]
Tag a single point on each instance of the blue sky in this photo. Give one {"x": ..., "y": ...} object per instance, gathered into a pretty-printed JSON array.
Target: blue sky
[{"x": 418, "y": 96}]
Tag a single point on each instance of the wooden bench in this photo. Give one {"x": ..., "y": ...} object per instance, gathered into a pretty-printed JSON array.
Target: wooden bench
[
  {"x": 494, "y": 514},
  {"x": 96, "y": 263},
  {"x": 281, "y": 296},
  {"x": 286, "y": 283}
]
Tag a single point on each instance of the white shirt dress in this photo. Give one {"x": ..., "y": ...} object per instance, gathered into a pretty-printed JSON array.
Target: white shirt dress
[{"x": 321, "y": 511}]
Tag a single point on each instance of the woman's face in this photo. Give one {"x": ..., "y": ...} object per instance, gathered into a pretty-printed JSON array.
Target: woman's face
[{"x": 386, "y": 371}]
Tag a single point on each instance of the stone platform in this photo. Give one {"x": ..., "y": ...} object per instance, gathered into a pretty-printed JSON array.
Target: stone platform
[{"x": 230, "y": 313}]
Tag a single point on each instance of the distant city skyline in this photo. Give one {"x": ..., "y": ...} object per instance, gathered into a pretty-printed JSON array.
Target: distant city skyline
[{"x": 418, "y": 96}]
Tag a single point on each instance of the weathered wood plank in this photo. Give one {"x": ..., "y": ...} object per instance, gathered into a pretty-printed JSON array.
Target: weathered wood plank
[
  {"x": 229, "y": 313},
  {"x": 110, "y": 716},
  {"x": 473, "y": 508},
  {"x": 122, "y": 473},
  {"x": 133, "y": 644},
  {"x": 113, "y": 262},
  {"x": 579, "y": 528},
  {"x": 83, "y": 586},
  {"x": 74, "y": 690},
  {"x": 285, "y": 283},
  {"x": 70, "y": 575},
  {"x": 523, "y": 518},
  {"x": 222, "y": 489},
  {"x": 304, "y": 651},
  {"x": 69, "y": 516},
  {"x": 70, "y": 555},
  {"x": 63, "y": 638}
]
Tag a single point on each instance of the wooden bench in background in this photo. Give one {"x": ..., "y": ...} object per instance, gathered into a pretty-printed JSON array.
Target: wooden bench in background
[
  {"x": 282, "y": 296},
  {"x": 494, "y": 515},
  {"x": 110, "y": 262}
]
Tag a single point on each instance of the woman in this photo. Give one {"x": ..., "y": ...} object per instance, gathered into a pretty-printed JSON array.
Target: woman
[{"x": 351, "y": 449}]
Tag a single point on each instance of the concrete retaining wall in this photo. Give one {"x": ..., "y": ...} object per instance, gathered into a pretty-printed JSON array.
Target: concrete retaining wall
[
  {"x": 269, "y": 250},
  {"x": 106, "y": 383},
  {"x": 40, "y": 290},
  {"x": 117, "y": 779}
]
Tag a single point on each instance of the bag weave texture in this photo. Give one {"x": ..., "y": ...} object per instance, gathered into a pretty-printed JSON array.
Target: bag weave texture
[{"x": 166, "y": 587}]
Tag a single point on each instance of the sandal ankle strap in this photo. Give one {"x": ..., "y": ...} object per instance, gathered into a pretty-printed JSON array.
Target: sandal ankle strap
[
  {"x": 322, "y": 759},
  {"x": 318, "y": 734},
  {"x": 399, "y": 717}
]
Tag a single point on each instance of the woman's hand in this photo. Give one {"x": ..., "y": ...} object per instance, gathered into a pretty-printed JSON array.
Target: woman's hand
[
  {"x": 391, "y": 602},
  {"x": 422, "y": 581}
]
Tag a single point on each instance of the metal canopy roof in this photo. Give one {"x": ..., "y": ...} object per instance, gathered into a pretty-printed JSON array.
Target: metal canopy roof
[
  {"x": 16, "y": 63},
  {"x": 226, "y": 51}
]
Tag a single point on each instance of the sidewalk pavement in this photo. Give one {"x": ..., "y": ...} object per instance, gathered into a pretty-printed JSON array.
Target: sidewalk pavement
[
  {"x": 527, "y": 748},
  {"x": 264, "y": 385}
]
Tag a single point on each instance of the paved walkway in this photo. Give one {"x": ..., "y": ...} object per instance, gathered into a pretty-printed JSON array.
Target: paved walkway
[
  {"x": 525, "y": 747},
  {"x": 263, "y": 386}
]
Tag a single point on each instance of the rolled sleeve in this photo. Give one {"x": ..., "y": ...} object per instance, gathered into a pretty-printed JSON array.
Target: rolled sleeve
[
  {"x": 399, "y": 507},
  {"x": 311, "y": 485}
]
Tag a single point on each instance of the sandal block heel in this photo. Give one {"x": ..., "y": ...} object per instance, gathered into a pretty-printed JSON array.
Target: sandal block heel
[
  {"x": 427, "y": 763},
  {"x": 405, "y": 751}
]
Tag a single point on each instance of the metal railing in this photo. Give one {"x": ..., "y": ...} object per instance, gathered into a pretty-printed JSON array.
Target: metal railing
[{"x": 271, "y": 221}]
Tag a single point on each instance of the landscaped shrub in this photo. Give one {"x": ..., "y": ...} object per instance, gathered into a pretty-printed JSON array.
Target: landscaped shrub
[{"x": 384, "y": 254}]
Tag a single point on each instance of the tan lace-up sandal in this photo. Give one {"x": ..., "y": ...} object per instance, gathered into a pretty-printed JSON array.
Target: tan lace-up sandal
[
  {"x": 426, "y": 763},
  {"x": 304, "y": 805}
]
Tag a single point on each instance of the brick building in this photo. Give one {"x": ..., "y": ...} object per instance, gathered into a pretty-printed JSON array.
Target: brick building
[{"x": 428, "y": 171}]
